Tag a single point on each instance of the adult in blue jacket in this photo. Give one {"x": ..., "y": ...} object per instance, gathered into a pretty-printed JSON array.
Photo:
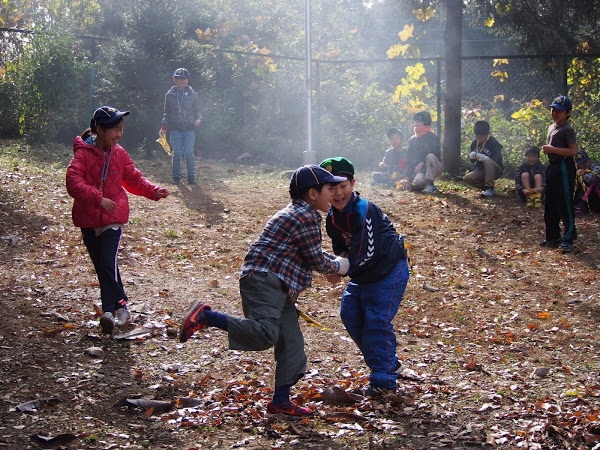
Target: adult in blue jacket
[{"x": 378, "y": 275}]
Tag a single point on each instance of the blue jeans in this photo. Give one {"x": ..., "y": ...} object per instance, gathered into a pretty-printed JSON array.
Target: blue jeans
[
  {"x": 182, "y": 143},
  {"x": 367, "y": 311}
]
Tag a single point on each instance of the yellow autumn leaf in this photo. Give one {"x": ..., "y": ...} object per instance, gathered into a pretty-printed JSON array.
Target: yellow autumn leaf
[
  {"x": 415, "y": 71},
  {"x": 489, "y": 22},
  {"x": 499, "y": 97},
  {"x": 397, "y": 50},
  {"x": 354, "y": 31},
  {"x": 544, "y": 315},
  {"x": 424, "y": 14},
  {"x": 406, "y": 33},
  {"x": 498, "y": 61},
  {"x": 501, "y": 74}
]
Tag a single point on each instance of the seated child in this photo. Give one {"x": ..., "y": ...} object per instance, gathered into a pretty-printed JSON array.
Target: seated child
[
  {"x": 393, "y": 166},
  {"x": 587, "y": 195},
  {"x": 486, "y": 154},
  {"x": 531, "y": 178}
]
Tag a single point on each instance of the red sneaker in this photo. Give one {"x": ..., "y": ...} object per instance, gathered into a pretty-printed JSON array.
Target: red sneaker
[
  {"x": 288, "y": 409},
  {"x": 193, "y": 321}
]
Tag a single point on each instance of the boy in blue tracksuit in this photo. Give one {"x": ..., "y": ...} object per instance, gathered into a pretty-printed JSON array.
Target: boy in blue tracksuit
[{"x": 378, "y": 275}]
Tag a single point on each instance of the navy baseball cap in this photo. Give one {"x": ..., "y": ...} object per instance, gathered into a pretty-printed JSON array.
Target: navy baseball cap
[
  {"x": 311, "y": 176},
  {"x": 107, "y": 115},
  {"x": 562, "y": 103},
  {"x": 181, "y": 73}
]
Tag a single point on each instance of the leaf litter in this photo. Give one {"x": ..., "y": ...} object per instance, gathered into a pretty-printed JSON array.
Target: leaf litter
[{"x": 497, "y": 337}]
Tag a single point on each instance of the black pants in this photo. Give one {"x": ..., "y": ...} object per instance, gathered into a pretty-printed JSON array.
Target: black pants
[
  {"x": 560, "y": 193},
  {"x": 103, "y": 252}
]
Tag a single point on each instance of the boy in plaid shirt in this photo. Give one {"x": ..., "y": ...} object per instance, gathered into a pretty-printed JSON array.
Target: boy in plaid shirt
[{"x": 278, "y": 267}]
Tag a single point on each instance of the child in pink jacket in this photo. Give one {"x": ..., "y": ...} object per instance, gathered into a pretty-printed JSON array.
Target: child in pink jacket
[{"x": 97, "y": 177}]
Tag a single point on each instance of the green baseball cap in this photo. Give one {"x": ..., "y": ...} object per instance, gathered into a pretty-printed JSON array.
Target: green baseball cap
[{"x": 338, "y": 166}]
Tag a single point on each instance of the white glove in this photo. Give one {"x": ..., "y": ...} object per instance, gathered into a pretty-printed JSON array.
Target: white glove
[
  {"x": 481, "y": 157},
  {"x": 473, "y": 155},
  {"x": 344, "y": 265}
]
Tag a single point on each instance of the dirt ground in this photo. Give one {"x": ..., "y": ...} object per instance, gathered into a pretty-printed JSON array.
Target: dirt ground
[{"x": 497, "y": 335}]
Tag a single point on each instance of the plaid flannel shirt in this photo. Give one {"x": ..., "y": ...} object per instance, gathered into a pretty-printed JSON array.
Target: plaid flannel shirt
[{"x": 290, "y": 246}]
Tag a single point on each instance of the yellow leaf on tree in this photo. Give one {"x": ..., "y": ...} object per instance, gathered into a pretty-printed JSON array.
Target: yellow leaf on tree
[
  {"x": 489, "y": 22},
  {"x": 424, "y": 14},
  {"x": 406, "y": 33},
  {"x": 415, "y": 71},
  {"x": 501, "y": 74},
  {"x": 397, "y": 50}
]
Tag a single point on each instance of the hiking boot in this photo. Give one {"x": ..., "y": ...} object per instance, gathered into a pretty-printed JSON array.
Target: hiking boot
[
  {"x": 193, "y": 321},
  {"x": 553, "y": 243},
  {"x": 123, "y": 316},
  {"x": 488, "y": 193},
  {"x": 565, "y": 246},
  {"x": 107, "y": 322},
  {"x": 288, "y": 408},
  {"x": 175, "y": 181},
  {"x": 430, "y": 189},
  {"x": 192, "y": 182}
]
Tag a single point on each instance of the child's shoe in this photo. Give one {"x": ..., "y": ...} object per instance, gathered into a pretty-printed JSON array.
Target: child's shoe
[
  {"x": 537, "y": 201},
  {"x": 107, "y": 322},
  {"x": 123, "y": 316},
  {"x": 565, "y": 246},
  {"x": 288, "y": 409},
  {"x": 530, "y": 200},
  {"x": 193, "y": 321}
]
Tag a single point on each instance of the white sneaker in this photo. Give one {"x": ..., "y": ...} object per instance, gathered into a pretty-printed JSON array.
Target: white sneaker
[
  {"x": 107, "y": 322},
  {"x": 489, "y": 192},
  {"x": 123, "y": 316}
]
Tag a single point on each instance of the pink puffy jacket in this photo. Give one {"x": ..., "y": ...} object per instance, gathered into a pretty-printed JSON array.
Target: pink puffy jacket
[{"x": 84, "y": 176}]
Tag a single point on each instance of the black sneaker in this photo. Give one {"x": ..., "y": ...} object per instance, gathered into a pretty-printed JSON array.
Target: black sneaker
[{"x": 376, "y": 391}]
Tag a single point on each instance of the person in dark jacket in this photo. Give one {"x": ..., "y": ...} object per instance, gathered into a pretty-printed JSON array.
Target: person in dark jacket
[
  {"x": 424, "y": 156},
  {"x": 181, "y": 117},
  {"x": 531, "y": 178},
  {"x": 393, "y": 166},
  {"x": 561, "y": 174},
  {"x": 486, "y": 154},
  {"x": 97, "y": 177},
  {"x": 378, "y": 275}
]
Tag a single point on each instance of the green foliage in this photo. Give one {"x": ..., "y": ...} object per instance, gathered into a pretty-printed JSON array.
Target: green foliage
[
  {"x": 136, "y": 67},
  {"x": 9, "y": 127},
  {"x": 48, "y": 77}
]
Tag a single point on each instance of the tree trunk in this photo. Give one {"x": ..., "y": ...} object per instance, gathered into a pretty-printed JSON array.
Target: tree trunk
[{"x": 452, "y": 106}]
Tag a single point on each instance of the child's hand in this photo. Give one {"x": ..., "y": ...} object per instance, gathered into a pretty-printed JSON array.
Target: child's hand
[
  {"x": 107, "y": 204},
  {"x": 161, "y": 193},
  {"x": 333, "y": 278}
]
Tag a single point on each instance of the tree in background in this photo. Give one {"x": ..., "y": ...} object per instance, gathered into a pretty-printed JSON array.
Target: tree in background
[{"x": 48, "y": 79}]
